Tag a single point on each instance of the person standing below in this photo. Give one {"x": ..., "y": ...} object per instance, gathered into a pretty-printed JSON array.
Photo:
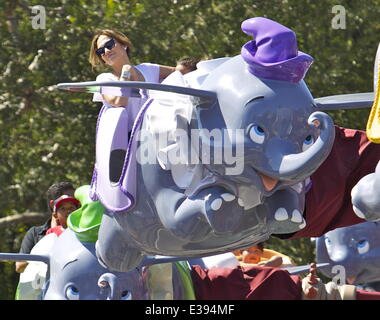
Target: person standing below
[
  {"x": 60, "y": 202},
  {"x": 62, "y": 207}
]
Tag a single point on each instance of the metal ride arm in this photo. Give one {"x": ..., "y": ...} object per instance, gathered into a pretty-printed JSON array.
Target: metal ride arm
[{"x": 102, "y": 87}]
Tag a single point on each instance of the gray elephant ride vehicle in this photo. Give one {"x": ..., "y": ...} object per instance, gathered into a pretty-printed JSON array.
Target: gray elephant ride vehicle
[{"x": 220, "y": 158}]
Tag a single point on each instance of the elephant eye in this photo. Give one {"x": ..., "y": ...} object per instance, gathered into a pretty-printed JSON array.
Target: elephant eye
[
  {"x": 72, "y": 293},
  {"x": 257, "y": 134},
  {"x": 363, "y": 246},
  {"x": 307, "y": 143},
  {"x": 329, "y": 246},
  {"x": 126, "y": 295}
]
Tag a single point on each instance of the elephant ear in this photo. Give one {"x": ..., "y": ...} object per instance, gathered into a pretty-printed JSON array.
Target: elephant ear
[{"x": 169, "y": 120}]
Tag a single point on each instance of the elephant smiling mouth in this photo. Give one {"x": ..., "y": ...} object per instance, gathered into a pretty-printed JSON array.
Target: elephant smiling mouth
[{"x": 265, "y": 183}]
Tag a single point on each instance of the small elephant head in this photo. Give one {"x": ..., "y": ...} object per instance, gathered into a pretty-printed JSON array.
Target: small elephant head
[
  {"x": 356, "y": 248},
  {"x": 75, "y": 274}
]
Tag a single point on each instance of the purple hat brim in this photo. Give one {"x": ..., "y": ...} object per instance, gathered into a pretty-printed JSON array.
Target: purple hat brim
[
  {"x": 273, "y": 54},
  {"x": 290, "y": 70}
]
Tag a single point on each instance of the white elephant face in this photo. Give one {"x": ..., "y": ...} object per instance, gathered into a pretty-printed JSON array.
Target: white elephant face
[
  {"x": 75, "y": 274},
  {"x": 356, "y": 248}
]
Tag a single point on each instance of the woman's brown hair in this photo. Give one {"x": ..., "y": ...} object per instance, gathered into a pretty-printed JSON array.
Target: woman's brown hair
[{"x": 118, "y": 36}]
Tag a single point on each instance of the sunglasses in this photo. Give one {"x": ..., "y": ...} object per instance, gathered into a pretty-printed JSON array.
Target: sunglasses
[{"x": 109, "y": 45}]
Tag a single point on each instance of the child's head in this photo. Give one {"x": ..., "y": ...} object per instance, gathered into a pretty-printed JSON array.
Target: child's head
[
  {"x": 62, "y": 207},
  {"x": 56, "y": 190},
  {"x": 186, "y": 64},
  {"x": 251, "y": 255}
]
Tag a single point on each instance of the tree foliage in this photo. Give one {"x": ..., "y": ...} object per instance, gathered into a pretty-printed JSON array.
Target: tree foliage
[{"x": 48, "y": 136}]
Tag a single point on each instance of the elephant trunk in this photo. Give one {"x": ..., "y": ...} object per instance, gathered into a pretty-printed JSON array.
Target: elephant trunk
[
  {"x": 109, "y": 281},
  {"x": 297, "y": 167}
]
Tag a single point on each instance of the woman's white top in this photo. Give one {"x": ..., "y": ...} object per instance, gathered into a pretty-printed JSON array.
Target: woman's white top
[{"x": 150, "y": 72}]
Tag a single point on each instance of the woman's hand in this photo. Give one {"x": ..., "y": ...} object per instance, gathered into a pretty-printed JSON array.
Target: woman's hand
[
  {"x": 128, "y": 73},
  {"x": 274, "y": 262},
  {"x": 125, "y": 74}
]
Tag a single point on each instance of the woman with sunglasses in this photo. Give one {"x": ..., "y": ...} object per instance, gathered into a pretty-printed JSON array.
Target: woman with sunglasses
[{"x": 112, "y": 48}]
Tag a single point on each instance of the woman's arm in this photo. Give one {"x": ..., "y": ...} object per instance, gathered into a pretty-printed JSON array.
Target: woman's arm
[
  {"x": 115, "y": 100},
  {"x": 27, "y": 245},
  {"x": 20, "y": 266},
  {"x": 133, "y": 76},
  {"x": 128, "y": 73}
]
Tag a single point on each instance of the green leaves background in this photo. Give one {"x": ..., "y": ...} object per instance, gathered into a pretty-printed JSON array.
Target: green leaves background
[{"x": 48, "y": 135}]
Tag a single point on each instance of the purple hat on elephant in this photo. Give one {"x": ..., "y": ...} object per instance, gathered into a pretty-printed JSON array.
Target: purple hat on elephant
[{"x": 273, "y": 54}]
